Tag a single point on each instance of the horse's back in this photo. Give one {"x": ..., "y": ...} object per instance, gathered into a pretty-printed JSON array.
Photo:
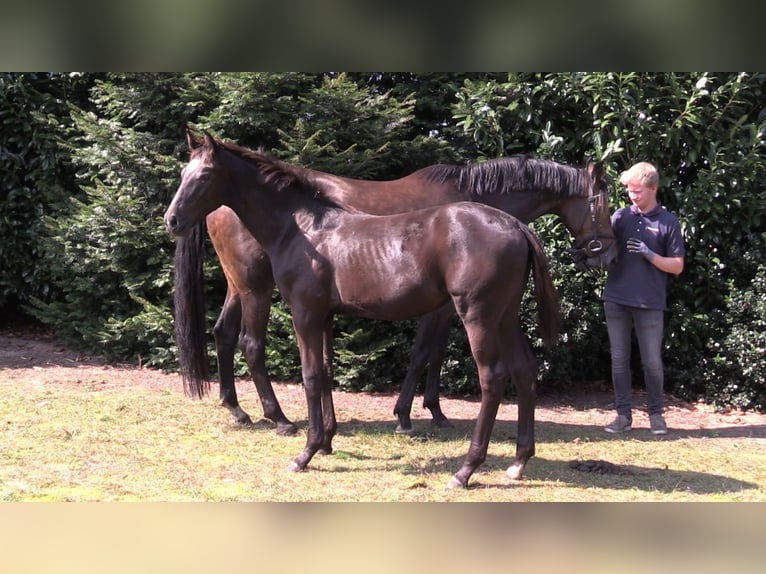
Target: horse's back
[
  {"x": 481, "y": 231},
  {"x": 418, "y": 260}
]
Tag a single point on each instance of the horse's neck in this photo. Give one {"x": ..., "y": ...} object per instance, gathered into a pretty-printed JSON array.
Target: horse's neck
[
  {"x": 524, "y": 205},
  {"x": 269, "y": 216}
]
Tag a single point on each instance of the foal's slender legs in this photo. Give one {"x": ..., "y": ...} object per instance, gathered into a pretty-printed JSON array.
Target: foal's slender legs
[
  {"x": 330, "y": 424},
  {"x": 493, "y": 377},
  {"x": 310, "y": 333}
]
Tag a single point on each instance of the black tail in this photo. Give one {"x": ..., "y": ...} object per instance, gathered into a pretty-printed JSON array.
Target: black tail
[
  {"x": 545, "y": 291},
  {"x": 189, "y": 299}
]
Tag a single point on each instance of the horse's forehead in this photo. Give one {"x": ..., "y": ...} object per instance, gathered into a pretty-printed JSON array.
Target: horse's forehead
[{"x": 195, "y": 164}]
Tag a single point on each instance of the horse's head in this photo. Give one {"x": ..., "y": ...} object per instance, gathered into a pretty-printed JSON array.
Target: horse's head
[
  {"x": 595, "y": 245},
  {"x": 201, "y": 188}
]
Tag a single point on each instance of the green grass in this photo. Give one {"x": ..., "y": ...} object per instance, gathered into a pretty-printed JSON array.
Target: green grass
[{"x": 88, "y": 442}]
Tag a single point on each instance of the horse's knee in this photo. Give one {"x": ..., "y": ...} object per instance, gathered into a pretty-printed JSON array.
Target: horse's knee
[
  {"x": 523, "y": 371},
  {"x": 493, "y": 380},
  {"x": 224, "y": 334},
  {"x": 252, "y": 347}
]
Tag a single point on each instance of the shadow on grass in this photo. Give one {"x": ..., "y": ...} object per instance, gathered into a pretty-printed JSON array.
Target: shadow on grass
[
  {"x": 541, "y": 471},
  {"x": 547, "y": 431}
]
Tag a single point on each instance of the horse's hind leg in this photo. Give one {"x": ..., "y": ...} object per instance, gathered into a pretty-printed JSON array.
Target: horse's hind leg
[
  {"x": 442, "y": 318},
  {"x": 493, "y": 376},
  {"x": 226, "y": 333},
  {"x": 523, "y": 369},
  {"x": 255, "y": 319},
  {"x": 428, "y": 349}
]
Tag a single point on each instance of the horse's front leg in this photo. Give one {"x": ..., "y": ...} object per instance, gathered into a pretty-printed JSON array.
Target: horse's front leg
[
  {"x": 310, "y": 335},
  {"x": 328, "y": 407}
]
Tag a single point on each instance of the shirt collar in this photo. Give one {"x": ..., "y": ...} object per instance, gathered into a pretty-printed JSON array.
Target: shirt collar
[{"x": 657, "y": 208}]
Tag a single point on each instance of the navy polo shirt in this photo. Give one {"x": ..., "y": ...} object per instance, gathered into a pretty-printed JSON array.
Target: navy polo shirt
[{"x": 633, "y": 281}]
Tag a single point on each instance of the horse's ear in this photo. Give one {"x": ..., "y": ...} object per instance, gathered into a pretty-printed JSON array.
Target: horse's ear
[
  {"x": 210, "y": 142},
  {"x": 595, "y": 169},
  {"x": 192, "y": 139}
]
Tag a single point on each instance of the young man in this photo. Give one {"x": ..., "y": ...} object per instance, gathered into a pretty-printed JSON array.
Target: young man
[{"x": 651, "y": 248}]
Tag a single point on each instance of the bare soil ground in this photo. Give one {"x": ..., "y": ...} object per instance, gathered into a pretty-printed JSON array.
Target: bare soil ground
[{"x": 28, "y": 352}]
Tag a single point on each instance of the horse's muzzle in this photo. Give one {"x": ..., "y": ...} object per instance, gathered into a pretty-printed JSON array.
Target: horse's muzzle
[{"x": 174, "y": 225}]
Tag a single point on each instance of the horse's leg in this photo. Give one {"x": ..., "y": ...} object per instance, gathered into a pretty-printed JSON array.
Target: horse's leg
[
  {"x": 226, "y": 333},
  {"x": 256, "y": 305},
  {"x": 418, "y": 361},
  {"x": 310, "y": 335},
  {"x": 328, "y": 408},
  {"x": 442, "y": 318},
  {"x": 493, "y": 375},
  {"x": 523, "y": 369},
  {"x": 428, "y": 349}
]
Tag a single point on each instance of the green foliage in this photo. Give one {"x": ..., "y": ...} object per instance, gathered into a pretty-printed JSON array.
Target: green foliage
[
  {"x": 731, "y": 363},
  {"x": 373, "y": 356},
  {"x": 108, "y": 252},
  {"x": 90, "y": 162},
  {"x": 34, "y": 177},
  {"x": 282, "y": 356}
]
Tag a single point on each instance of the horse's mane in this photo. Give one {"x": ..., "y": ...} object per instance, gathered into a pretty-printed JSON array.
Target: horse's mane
[
  {"x": 277, "y": 173},
  {"x": 282, "y": 175},
  {"x": 512, "y": 174}
]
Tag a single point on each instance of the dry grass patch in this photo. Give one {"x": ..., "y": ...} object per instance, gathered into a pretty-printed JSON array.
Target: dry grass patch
[
  {"x": 81, "y": 434},
  {"x": 72, "y": 428}
]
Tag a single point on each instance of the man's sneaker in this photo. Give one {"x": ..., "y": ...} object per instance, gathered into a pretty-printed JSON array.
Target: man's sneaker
[
  {"x": 620, "y": 424},
  {"x": 657, "y": 424}
]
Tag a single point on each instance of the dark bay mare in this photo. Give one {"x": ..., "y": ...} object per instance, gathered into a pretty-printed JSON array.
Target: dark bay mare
[
  {"x": 524, "y": 187},
  {"x": 327, "y": 258}
]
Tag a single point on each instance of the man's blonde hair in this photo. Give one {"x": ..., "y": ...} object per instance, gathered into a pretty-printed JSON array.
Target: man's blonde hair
[{"x": 643, "y": 173}]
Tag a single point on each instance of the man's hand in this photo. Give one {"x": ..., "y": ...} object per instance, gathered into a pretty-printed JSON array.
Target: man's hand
[{"x": 638, "y": 246}]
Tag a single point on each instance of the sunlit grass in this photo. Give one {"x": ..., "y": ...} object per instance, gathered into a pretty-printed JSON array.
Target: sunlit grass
[{"x": 85, "y": 443}]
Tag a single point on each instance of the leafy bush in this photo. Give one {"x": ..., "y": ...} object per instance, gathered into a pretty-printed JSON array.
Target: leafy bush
[
  {"x": 732, "y": 371},
  {"x": 99, "y": 267},
  {"x": 34, "y": 177}
]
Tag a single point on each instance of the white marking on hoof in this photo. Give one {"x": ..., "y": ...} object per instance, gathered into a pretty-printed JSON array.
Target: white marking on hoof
[
  {"x": 454, "y": 483},
  {"x": 514, "y": 471}
]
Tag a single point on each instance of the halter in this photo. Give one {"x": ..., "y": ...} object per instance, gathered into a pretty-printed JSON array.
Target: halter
[{"x": 593, "y": 246}]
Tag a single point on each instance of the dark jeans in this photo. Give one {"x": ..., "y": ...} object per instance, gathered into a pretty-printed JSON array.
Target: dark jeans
[{"x": 648, "y": 324}]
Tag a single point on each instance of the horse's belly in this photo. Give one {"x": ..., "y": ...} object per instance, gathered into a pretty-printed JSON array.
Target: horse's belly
[{"x": 388, "y": 298}]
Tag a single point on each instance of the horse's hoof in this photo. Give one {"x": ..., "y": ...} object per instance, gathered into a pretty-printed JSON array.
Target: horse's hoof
[
  {"x": 295, "y": 467},
  {"x": 286, "y": 429},
  {"x": 515, "y": 471},
  {"x": 402, "y": 430},
  {"x": 455, "y": 483}
]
